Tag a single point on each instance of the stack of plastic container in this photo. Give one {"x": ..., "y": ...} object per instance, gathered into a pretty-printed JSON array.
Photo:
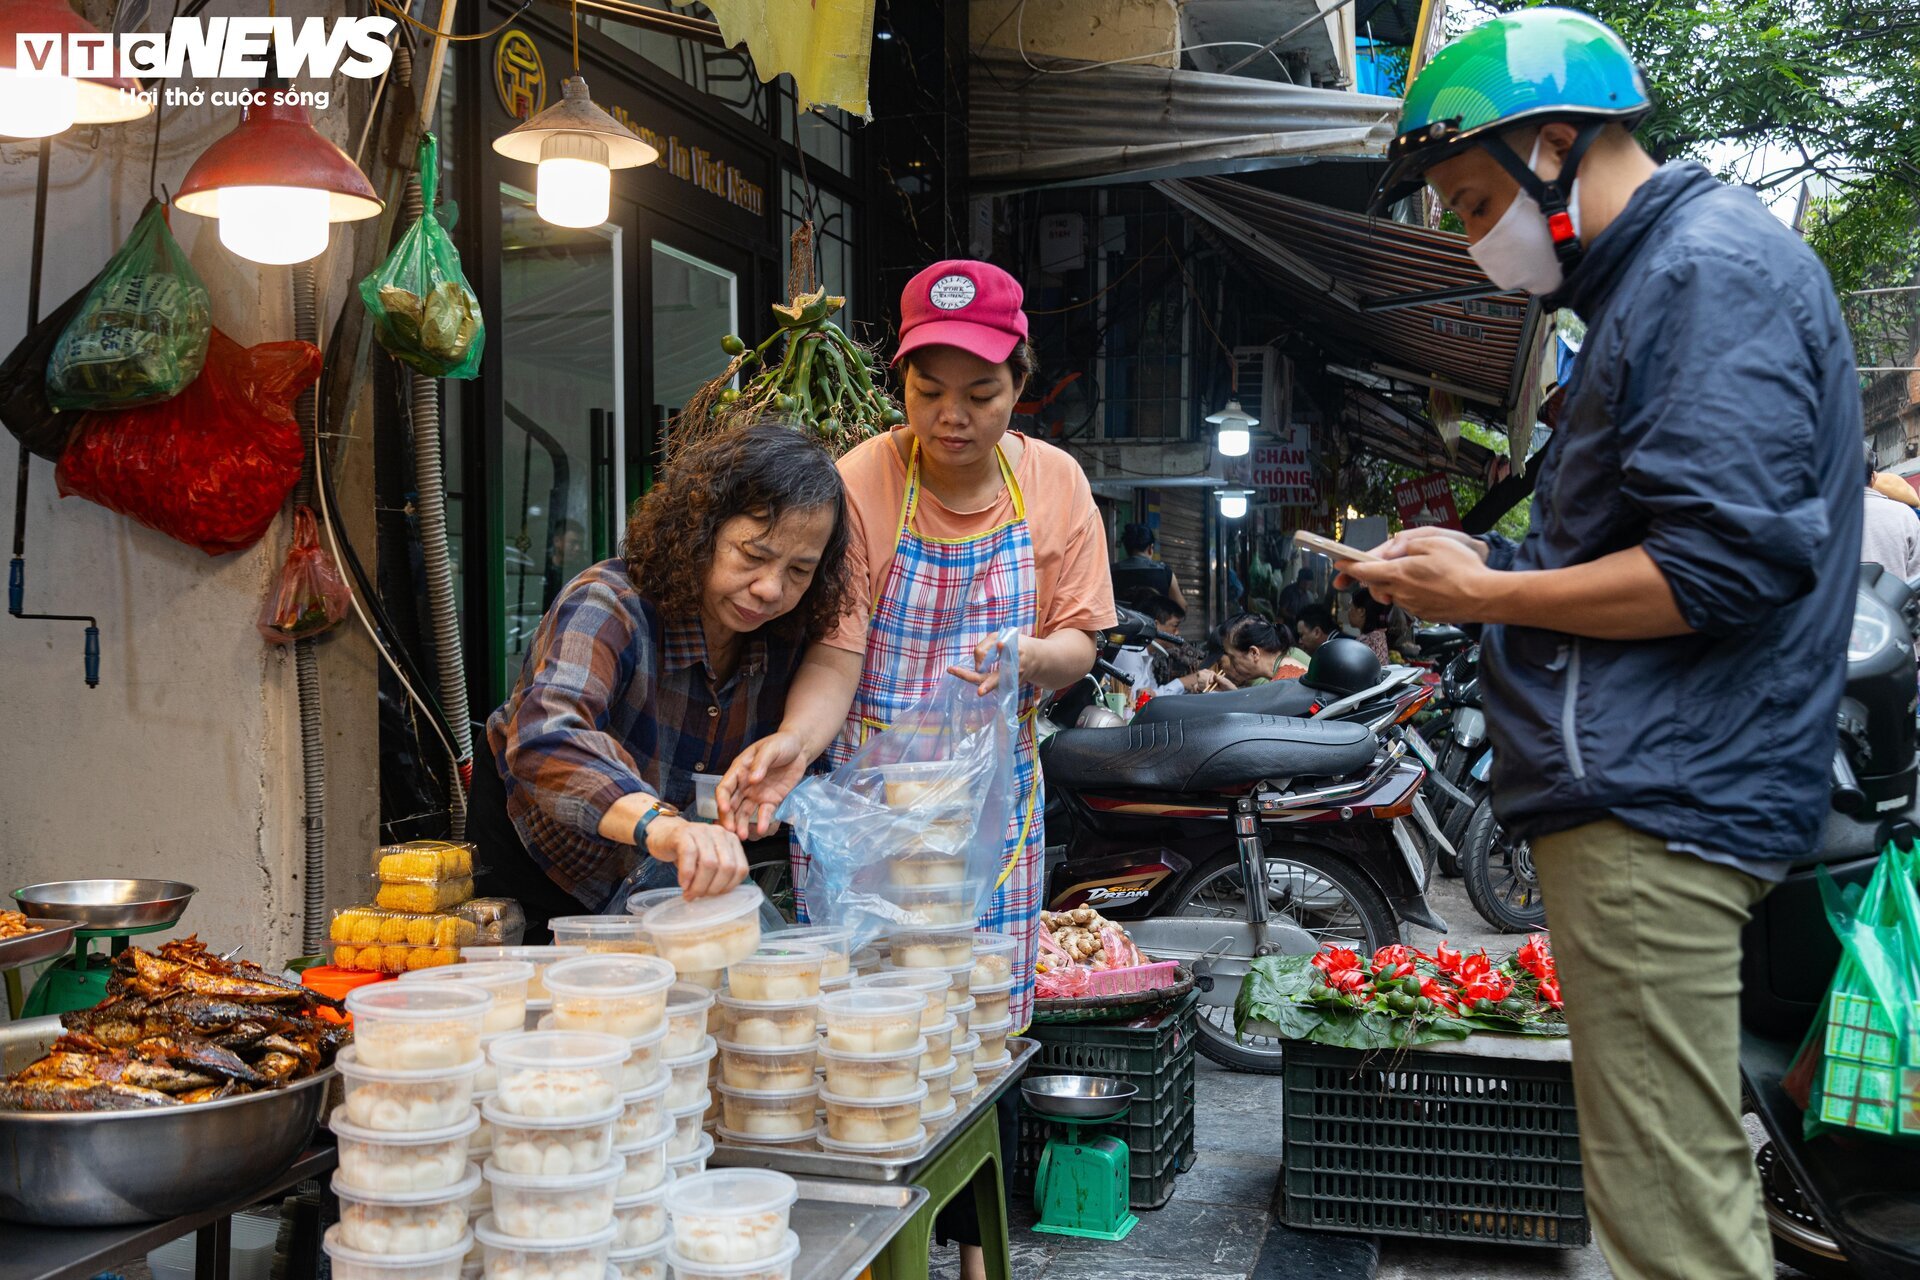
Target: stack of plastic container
[
  {"x": 422, "y": 914},
  {"x": 768, "y": 1039},
  {"x": 539, "y": 1003},
  {"x": 701, "y": 937},
  {"x": 991, "y": 985},
  {"x": 731, "y": 1224},
  {"x": 877, "y": 1039},
  {"x": 405, "y": 1180}
]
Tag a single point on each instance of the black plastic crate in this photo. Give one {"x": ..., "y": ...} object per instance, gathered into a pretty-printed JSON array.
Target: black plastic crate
[
  {"x": 1139, "y": 1047},
  {"x": 1434, "y": 1145},
  {"x": 1151, "y": 1175}
]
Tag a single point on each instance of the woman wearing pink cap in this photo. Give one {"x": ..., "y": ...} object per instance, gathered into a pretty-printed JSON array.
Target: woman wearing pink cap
[{"x": 958, "y": 528}]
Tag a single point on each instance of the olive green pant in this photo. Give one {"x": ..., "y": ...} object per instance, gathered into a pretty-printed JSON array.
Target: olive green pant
[{"x": 1648, "y": 946}]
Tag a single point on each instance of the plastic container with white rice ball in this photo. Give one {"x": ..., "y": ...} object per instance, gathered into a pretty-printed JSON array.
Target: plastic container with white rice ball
[
  {"x": 602, "y": 935},
  {"x": 866, "y": 1120},
  {"x": 511, "y": 1258},
  {"x": 962, "y": 1015},
  {"x": 480, "y": 1142},
  {"x": 640, "y": 1219},
  {"x": 778, "y": 1267},
  {"x": 694, "y": 1161},
  {"x": 939, "y": 1082},
  {"x": 551, "y": 1148},
  {"x": 539, "y": 957},
  {"x": 927, "y": 868},
  {"x": 766, "y": 1070},
  {"x": 646, "y": 1162},
  {"x": 937, "y": 1120},
  {"x": 787, "y": 1113},
  {"x": 990, "y": 1003},
  {"x": 930, "y": 983},
  {"x": 548, "y": 1074},
  {"x": 624, "y": 996},
  {"x": 530, "y": 1207},
  {"x": 407, "y": 1026},
  {"x": 696, "y": 934},
  {"x": 993, "y": 956},
  {"x": 505, "y": 980},
  {"x": 907, "y": 1149},
  {"x": 349, "y": 1263},
  {"x": 834, "y": 942},
  {"x": 959, "y": 984},
  {"x": 404, "y": 1222},
  {"x": 646, "y": 1262},
  {"x": 425, "y": 1160},
  {"x": 780, "y": 1024},
  {"x": 871, "y": 1075},
  {"x": 788, "y": 1142},
  {"x": 868, "y": 959},
  {"x": 646, "y": 1060},
  {"x": 688, "y": 1075},
  {"x": 688, "y": 1006},
  {"x": 687, "y": 1123},
  {"x": 931, "y": 948},
  {"x": 872, "y": 1021},
  {"x": 778, "y": 971},
  {"x": 992, "y": 1053},
  {"x": 964, "y": 1048},
  {"x": 731, "y": 1215},
  {"x": 643, "y": 1113},
  {"x": 405, "y": 1101},
  {"x": 933, "y": 906},
  {"x": 939, "y": 1044}
]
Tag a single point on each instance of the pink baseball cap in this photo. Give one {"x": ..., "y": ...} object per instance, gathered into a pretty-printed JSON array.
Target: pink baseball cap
[{"x": 974, "y": 306}]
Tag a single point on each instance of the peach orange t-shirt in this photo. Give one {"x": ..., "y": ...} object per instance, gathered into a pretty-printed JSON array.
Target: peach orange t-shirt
[{"x": 1074, "y": 588}]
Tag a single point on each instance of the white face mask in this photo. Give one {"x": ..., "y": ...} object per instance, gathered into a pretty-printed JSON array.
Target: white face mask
[{"x": 1518, "y": 252}]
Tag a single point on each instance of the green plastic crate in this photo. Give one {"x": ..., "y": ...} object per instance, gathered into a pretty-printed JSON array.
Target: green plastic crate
[
  {"x": 1437, "y": 1146},
  {"x": 1140, "y": 1047}
]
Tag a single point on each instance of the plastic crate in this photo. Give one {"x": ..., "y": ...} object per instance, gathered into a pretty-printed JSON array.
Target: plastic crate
[
  {"x": 1139, "y": 1047},
  {"x": 1434, "y": 1145},
  {"x": 1151, "y": 1175}
]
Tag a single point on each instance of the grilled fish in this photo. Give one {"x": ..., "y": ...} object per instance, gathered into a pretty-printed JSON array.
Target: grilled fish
[{"x": 79, "y": 1095}]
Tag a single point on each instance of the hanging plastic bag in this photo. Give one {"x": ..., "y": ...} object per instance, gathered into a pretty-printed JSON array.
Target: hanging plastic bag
[
  {"x": 424, "y": 312},
  {"x": 1860, "y": 1059},
  {"x": 213, "y": 465},
  {"x": 310, "y": 595},
  {"x": 910, "y": 833},
  {"x": 141, "y": 334},
  {"x": 23, "y": 384}
]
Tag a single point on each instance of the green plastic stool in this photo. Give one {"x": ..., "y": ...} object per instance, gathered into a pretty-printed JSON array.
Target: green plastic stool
[{"x": 973, "y": 1161}]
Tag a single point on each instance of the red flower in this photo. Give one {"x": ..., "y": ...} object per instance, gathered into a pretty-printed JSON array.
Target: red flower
[
  {"x": 1393, "y": 956},
  {"x": 1493, "y": 985},
  {"x": 1441, "y": 994},
  {"x": 1351, "y": 981},
  {"x": 1536, "y": 957},
  {"x": 1474, "y": 966},
  {"x": 1550, "y": 992},
  {"x": 1334, "y": 959},
  {"x": 1445, "y": 958}
]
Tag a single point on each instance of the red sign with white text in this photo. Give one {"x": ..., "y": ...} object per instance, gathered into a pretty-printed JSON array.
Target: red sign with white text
[{"x": 1427, "y": 501}]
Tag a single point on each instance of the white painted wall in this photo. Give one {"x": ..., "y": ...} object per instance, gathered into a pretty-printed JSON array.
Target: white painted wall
[{"x": 185, "y": 762}]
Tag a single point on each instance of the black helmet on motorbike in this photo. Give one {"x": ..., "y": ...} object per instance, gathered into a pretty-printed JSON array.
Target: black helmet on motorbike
[{"x": 1343, "y": 665}]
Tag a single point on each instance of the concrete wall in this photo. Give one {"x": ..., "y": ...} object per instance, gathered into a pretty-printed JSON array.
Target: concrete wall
[
  {"x": 1090, "y": 30},
  {"x": 185, "y": 762}
]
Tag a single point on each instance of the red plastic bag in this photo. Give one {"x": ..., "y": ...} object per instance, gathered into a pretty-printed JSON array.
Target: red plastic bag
[
  {"x": 310, "y": 596},
  {"x": 213, "y": 465}
]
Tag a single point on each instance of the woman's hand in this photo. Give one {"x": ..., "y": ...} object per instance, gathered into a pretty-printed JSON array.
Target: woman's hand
[
  {"x": 1052, "y": 663},
  {"x": 709, "y": 858},
  {"x": 1206, "y": 680},
  {"x": 758, "y": 780},
  {"x": 988, "y": 679}
]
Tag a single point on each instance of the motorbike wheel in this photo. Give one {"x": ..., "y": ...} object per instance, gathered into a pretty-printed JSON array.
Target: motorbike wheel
[
  {"x": 1800, "y": 1239},
  {"x": 1317, "y": 889},
  {"x": 1500, "y": 876}
]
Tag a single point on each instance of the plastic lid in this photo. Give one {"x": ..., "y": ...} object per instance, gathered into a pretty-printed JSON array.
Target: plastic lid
[
  {"x": 738, "y": 1193},
  {"x": 419, "y": 1001},
  {"x": 765, "y": 1050},
  {"x": 903, "y": 979},
  {"x": 619, "y": 928},
  {"x": 394, "y": 1261},
  {"x": 643, "y": 1197},
  {"x": 946, "y": 1068},
  {"x": 652, "y": 1142},
  {"x": 345, "y": 1128},
  {"x": 494, "y": 1238},
  {"x": 458, "y": 1191},
  {"x": 640, "y": 903},
  {"x": 737, "y": 1138},
  {"x": 695, "y": 1108},
  {"x": 348, "y": 1060},
  {"x": 993, "y": 1064},
  {"x": 778, "y": 1262},
  {"x": 946, "y": 1026},
  {"x": 884, "y": 1055},
  {"x": 507, "y": 1120},
  {"x": 707, "y": 1049},
  {"x": 488, "y": 975},
  {"x": 732, "y": 1001},
  {"x": 865, "y": 1002},
  {"x": 687, "y": 997},
  {"x": 332, "y": 980},
  {"x": 965, "y": 1006},
  {"x": 940, "y": 930},
  {"x": 990, "y": 988},
  {"x": 766, "y": 1095},
  {"x": 535, "y": 956},
  {"x": 609, "y": 975},
  {"x": 826, "y": 937},
  {"x": 639, "y": 1251},
  {"x": 972, "y": 1043},
  {"x": 779, "y": 953},
  {"x": 1004, "y": 1024},
  {"x": 634, "y": 1045},
  {"x": 646, "y": 1092},
  {"x": 906, "y": 1146},
  {"x": 558, "y": 1050},
  {"x": 693, "y": 915},
  {"x": 699, "y": 1153},
  {"x": 944, "y": 1113},
  {"x": 918, "y": 1094},
  {"x": 607, "y": 1174}
]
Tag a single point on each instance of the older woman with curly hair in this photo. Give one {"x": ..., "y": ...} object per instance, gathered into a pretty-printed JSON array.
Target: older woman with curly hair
[{"x": 655, "y": 667}]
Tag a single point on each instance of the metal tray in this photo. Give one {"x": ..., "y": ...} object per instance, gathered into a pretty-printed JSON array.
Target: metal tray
[
  {"x": 844, "y": 1226},
  {"x": 30, "y": 948},
  {"x": 821, "y": 1164},
  {"x": 109, "y": 904}
]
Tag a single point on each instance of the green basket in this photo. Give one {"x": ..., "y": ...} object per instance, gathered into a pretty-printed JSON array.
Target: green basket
[{"x": 1437, "y": 1146}]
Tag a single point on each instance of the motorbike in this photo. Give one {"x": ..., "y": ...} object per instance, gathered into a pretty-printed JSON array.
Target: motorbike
[
  {"x": 1458, "y": 732},
  {"x": 1162, "y": 824},
  {"x": 1839, "y": 1204}
]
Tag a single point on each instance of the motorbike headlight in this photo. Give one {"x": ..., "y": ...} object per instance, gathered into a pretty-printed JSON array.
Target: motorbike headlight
[{"x": 1869, "y": 636}]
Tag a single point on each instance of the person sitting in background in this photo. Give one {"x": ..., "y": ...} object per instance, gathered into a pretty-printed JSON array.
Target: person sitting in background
[
  {"x": 1259, "y": 651},
  {"x": 1141, "y": 575},
  {"x": 1890, "y": 536},
  {"x": 1297, "y": 597},
  {"x": 1314, "y": 628},
  {"x": 1169, "y": 665},
  {"x": 1367, "y": 618}
]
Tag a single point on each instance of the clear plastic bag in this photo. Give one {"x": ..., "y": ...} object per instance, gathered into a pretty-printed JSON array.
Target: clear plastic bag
[
  {"x": 911, "y": 832},
  {"x": 141, "y": 335},
  {"x": 310, "y": 595},
  {"x": 424, "y": 311}
]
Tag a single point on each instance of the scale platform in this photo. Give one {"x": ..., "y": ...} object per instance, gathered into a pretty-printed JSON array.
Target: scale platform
[{"x": 112, "y": 909}]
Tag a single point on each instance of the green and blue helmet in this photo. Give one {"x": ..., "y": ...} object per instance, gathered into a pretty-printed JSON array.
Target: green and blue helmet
[{"x": 1530, "y": 67}]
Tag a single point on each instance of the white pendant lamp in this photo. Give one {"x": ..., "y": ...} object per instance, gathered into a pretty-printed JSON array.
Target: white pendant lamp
[
  {"x": 41, "y": 103},
  {"x": 1236, "y": 429},
  {"x": 1233, "y": 502}
]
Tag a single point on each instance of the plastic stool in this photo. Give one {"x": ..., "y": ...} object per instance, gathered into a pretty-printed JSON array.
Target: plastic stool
[{"x": 972, "y": 1162}]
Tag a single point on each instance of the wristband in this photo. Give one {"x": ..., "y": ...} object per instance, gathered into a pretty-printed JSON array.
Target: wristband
[{"x": 660, "y": 809}]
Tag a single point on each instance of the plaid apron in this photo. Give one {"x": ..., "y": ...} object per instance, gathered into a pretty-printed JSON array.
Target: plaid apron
[{"x": 942, "y": 597}]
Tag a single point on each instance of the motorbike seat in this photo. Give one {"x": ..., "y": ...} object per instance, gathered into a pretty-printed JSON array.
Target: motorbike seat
[
  {"x": 1274, "y": 698},
  {"x": 1214, "y": 754}
]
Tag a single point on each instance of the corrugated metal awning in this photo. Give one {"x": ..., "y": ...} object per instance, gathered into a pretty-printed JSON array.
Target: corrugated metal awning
[
  {"x": 1132, "y": 123},
  {"x": 1409, "y": 300}
]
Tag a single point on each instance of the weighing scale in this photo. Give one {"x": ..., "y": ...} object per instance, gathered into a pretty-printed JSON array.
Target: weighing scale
[
  {"x": 112, "y": 909},
  {"x": 1083, "y": 1183}
]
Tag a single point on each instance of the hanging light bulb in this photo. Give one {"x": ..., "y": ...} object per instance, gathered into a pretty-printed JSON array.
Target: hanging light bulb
[
  {"x": 275, "y": 184},
  {"x": 1236, "y": 429},
  {"x": 41, "y": 103},
  {"x": 1233, "y": 503},
  {"x": 576, "y": 146}
]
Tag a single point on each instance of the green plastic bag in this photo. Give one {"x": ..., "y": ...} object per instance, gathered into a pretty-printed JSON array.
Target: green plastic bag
[
  {"x": 1865, "y": 1046},
  {"x": 424, "y": 312},
  {"x": 141, "y": 334}
]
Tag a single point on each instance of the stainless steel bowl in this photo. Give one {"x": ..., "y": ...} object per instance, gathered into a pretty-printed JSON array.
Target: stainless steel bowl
[
  {"x": 1077, "y": 1097},
  {"x": 30, "y": 948},
  {"x": 112, "y": 1167},
  {"x": 108, "y": 904}
]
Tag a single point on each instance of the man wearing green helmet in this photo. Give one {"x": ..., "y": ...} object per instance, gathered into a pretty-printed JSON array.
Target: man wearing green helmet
[{"x": 1660, "y": 736}]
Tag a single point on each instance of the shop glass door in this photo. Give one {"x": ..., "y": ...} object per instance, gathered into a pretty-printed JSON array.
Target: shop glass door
[
  {"x": 695, "y": 304},
  {"x": 563, "y": 414}
]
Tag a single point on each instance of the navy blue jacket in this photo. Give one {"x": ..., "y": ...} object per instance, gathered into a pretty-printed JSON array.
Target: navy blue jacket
[{"x": 1714, "y": 419}]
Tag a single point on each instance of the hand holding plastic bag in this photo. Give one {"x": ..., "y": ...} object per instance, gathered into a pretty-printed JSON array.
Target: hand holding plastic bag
[
  {"x": 911, "y": 832},
  {"x": 424, "y": 311}
]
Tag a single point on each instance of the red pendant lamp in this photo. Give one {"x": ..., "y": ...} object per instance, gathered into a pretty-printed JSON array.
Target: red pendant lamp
[
  {"x": 276, "y": 185},
  {"x": 39, "y": 104}
]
